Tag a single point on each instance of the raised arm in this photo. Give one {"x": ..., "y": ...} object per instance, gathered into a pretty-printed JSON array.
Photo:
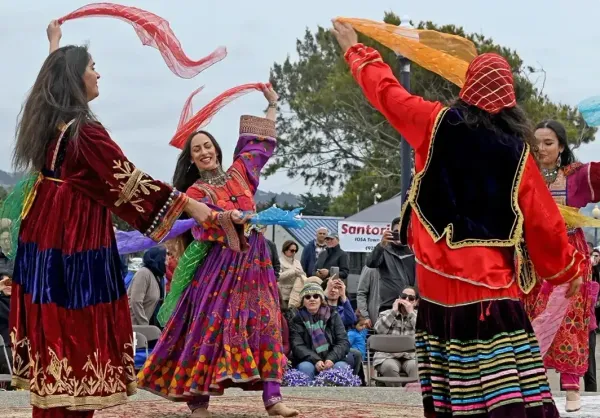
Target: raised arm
[
  {"x": 54, "y": 33},
  {"x": 583, "y": 185},
  {"x": 554, "y": 259},
  {"x": 410, "y": 115},
  {"x": 256, "y": 143}
]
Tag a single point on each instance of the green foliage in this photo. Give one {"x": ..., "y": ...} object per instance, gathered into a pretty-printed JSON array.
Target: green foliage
[
  {"x": 273, "y": 201},
  {"x": 333, "y": 138},
  {"x": 315, "y": 205},
  {"x": 3, "y": 194}
]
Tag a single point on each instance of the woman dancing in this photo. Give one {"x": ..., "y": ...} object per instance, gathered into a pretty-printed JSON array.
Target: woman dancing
[
  {"x": 471, "y": 217},
  {"x": 571, "y": 184},
  {"x": 70, "y": 324},
  {"x": 226, "y": 328}
]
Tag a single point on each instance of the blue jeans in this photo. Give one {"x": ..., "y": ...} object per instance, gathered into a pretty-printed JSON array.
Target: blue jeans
[{"x": 310, "y": 370}]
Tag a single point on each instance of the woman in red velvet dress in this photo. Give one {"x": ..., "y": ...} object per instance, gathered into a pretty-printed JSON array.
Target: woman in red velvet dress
[
  {"x": 70, "y": 325},
  {"x": 572, "y": 184},
  {"x": 477, "y": 206}
]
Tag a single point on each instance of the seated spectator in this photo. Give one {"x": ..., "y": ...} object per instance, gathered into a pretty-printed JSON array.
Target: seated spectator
[
  {"x": 317, "y": 334},
  {"x": 358, "y": 336},
  {"x": 400, "y": 320},
  {"x": 146, "y": 288},
  {"x": 291, "y": 274},
  {"x": 295, "y": 302},
  {"x": 335, "y": 294}
]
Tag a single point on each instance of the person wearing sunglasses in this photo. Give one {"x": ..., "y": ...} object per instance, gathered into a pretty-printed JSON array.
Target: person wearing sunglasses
[
  {"x": 291, "y": 275},
  {"x": 317, "y": 335},
  {"x": 400, "y": 320}
]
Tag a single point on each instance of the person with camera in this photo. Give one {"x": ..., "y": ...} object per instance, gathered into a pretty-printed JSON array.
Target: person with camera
[
  {"x": 396, "y": 265},
  {"x": 400, "y": 320}
]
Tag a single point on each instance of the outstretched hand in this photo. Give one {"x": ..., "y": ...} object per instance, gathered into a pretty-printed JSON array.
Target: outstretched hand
[
  {"x": 270, "y": 93},
  {"x": 54, "y": 31},
  {"x": 345, "y": 35}
]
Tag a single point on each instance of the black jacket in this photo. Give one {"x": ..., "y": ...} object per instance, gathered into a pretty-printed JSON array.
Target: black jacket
[
  {"x": 334, "y": 257},
  {"x": 396, "y": 266},
  {"x": 6, "y": 269},
  {"x": 274, "y": 257},
  {"x": 302, "y": 346}
]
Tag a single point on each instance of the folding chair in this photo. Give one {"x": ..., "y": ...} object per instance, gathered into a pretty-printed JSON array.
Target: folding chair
[
  {"x": 5, "y": 377},
  {"x": 389, "y": 344},
  {"x": 141, "y": 342},
  {"x": 151, "y": 332}
]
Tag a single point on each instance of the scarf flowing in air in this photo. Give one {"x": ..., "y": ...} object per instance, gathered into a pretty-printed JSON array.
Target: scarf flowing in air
[{"x": 315, "y": 324}]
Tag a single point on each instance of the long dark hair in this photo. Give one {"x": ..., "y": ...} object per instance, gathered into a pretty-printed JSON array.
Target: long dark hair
[
  {"x": 512, "y": 121},
  {"x": 566, "y": 156},
  {"x": 57, "y": 96},
  {"x": 186, "y": 173}
]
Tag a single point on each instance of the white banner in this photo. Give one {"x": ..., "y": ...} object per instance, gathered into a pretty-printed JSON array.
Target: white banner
[{"x": 361, "y": 237}]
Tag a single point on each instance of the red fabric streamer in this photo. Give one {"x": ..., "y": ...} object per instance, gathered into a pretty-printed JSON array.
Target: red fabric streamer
[
  {"x": 202, "y": 117},
  {"x": 154, "y": 31}
]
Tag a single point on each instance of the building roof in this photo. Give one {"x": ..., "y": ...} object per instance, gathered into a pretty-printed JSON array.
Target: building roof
[
  {"x": 381, "y": 212},
  {"x": 308, "y": 233}
]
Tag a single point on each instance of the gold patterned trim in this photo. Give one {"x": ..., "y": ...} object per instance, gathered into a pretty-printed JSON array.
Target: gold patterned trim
[
  {"x": 210, "y": 193},
  {"x": 517, "y": 230},
  {"x": 253, "y": 125},
  {"x": 360, "y": 67},
  {"x": 167, "y": 216},
  {"x": 238, "y": 176},
  {"x": 63, "y": 129},
  {"x": 563, "y": 271},
  {"x": 462, "y": 279},
  {"x": 435, "y": 302},
  {"x": 233, "y": 239},
  {"x": 589, "y": 179},
  {"x": 137, "y": 182},
  {"x": 117, "y": 381}
]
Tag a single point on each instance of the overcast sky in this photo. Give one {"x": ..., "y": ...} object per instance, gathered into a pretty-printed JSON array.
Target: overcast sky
[{"x": 140, "y": 99}]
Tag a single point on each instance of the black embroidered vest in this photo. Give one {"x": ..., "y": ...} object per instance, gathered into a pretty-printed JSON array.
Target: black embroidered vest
[{"x": 468, "y": 190}]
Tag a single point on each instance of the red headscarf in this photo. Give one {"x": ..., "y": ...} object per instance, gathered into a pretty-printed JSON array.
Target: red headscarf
[{"x": 489, "y": 84}]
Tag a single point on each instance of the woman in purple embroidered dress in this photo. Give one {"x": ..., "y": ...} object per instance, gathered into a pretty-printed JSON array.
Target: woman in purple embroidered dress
[{"x": 226, "y": 329}]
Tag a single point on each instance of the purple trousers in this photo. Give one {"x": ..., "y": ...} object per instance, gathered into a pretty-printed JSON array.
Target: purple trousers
[{"x": 271, "y": 396}]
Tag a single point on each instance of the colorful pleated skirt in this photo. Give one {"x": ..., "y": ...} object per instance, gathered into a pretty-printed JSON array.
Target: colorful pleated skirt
[
  {"x": 224, "y": 332},
  {"x": 481, "y": 360}
]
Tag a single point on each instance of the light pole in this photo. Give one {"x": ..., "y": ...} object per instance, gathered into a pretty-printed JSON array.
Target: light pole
[
  {"x": 596, "y": 215},
  {"x": 405, "y": 150}
]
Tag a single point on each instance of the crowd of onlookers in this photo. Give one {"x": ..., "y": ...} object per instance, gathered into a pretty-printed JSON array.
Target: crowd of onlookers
[{"x": 322, "y": 328}]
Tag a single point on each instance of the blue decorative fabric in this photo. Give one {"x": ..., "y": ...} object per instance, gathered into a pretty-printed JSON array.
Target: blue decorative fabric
[{"x": 72, "y": 281}]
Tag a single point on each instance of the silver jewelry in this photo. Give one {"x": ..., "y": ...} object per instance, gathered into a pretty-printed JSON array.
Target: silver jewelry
[
  {"x": 215, "y": 177},
  {"x": 550, "y": 174}
]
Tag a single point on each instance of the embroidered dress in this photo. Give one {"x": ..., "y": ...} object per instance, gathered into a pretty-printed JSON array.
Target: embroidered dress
[
  {"x": 71, "y": 330},
  {"x": 226, "y": 329},
  {"x": 576, "y": 185},
  {"x": 476, "y": 349}
]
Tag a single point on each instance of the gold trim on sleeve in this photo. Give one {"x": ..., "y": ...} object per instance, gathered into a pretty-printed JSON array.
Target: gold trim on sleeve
[{"x": 129, "y": 190}]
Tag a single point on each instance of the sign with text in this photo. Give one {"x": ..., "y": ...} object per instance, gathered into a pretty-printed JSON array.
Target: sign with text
[{"x": 361, "y": 237}]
